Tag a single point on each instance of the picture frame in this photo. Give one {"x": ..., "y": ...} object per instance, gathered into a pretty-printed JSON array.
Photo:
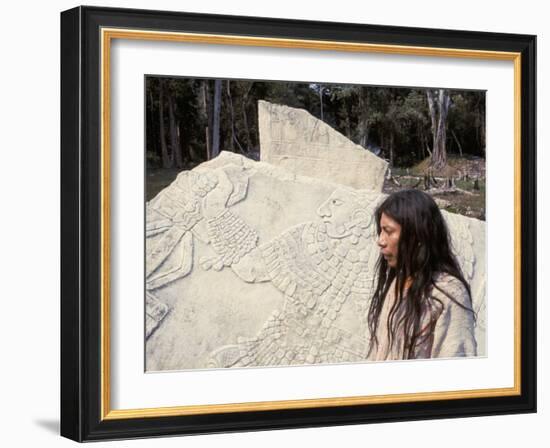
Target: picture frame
[{"x": 87, "y": 34}]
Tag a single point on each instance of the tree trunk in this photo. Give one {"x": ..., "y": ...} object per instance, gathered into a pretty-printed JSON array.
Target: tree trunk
[
  {"x": 482, "y": 130},
  {"x": 151, "y": 130},
  {"x": 440, "y": 158},
  {"x": 433, "y": 113},
  {"x": 174, "y": 134},
  {"x": 363, "y": 125},
  {"x": 321, "y": 101},
  {"x": 457, "y": 142},
  {"x": 215, "y": 150},
  {"x": 439, "y": 107},
  {"x": 234, "y": 138},
  {"x": 391, "y": 149},
  {"x": 207, "y": 115},
  {"x": 166, "y": 159},
  {"x": 245, "y": 118},
  {"x": 348, "y": 118}
]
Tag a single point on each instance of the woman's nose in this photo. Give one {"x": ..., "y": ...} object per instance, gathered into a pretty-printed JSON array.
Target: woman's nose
[{"x": 381, "y": 241}]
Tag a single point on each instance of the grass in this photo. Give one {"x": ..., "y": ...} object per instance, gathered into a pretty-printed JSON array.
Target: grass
[
  {"x": 472, "y": 205},
  {"x": 157, "y": 179}
]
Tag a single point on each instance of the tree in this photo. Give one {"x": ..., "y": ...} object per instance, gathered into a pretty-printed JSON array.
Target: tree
[
  {"x": 466, "y": 121},
  {"x": 152, "y": 129},
  {"x": 438, "y": 103},
  {"x": 175, "y": 146},
  {"x": 234, "y": 137},
  {"x": 244, "y": 105},
  {"x": 190, "y": 120},
  {"x": 215, "y": 150},
  {"x": 166, "y": 159}
]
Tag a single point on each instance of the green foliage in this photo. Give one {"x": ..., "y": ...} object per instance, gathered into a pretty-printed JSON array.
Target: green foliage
[{"x": 393, "y": 121}]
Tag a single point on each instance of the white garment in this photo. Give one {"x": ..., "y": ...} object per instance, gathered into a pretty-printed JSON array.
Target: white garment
[{"x": 453, "y": 334}]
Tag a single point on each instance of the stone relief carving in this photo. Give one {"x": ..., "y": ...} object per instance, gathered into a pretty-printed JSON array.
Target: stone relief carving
[
  {"x": 302, "y": 144},
  {"x": 318, "y": 266},
  {"x": 321, "y": 268},
  {"x": 174, "y": 218}
]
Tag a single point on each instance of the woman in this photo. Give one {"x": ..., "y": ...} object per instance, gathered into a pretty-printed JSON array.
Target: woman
[{"x": 422, "y": 306}]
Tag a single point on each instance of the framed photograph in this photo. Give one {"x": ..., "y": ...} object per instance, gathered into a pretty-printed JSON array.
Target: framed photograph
[{"x": 274, "y": 223}]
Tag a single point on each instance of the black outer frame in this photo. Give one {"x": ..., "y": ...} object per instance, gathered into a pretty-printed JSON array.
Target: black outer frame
[{"x": 81, "y": 223}]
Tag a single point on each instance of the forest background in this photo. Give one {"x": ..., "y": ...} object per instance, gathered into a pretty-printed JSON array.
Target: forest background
[{"x": 433, "y": 139}]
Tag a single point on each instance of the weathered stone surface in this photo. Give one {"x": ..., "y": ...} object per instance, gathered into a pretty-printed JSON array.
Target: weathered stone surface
[
  {"x": 249, "y": 265},
  {"x": 302, "y": 144}
]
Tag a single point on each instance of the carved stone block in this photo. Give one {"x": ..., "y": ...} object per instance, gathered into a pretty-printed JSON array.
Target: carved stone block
[
  {"x": 248, "y": 264},
  {"x": 302, "y": 144}
]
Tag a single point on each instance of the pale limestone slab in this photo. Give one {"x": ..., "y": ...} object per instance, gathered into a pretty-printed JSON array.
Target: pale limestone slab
[
  {"x": 250, "y": 265},
  {"x": 302, "y": 144}
]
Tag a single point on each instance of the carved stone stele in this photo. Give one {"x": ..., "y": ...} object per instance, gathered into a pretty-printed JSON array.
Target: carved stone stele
[
  {"x": 248, "y": 264},
  {"x": 302, "y": 144}
]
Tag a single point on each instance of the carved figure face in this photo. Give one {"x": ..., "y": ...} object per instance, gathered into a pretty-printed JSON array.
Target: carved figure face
[
  {"x": 337, "y": 211},
  {"x": 388, "y": 240}
]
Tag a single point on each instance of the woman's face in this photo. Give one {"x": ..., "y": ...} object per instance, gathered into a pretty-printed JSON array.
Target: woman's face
[{"x": 388, "y": 240}]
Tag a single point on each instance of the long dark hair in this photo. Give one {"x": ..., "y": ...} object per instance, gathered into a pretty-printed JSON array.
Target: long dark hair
[{"x": 424, "y": 252}]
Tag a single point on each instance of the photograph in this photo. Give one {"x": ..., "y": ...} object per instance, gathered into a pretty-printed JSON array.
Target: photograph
[
  {"x": 275, "y": 224},
  {"x": 297, "y": 223}
]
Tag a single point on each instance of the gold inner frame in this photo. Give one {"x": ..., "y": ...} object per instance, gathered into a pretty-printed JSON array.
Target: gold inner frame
[{"x": 107, "y": 35}]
